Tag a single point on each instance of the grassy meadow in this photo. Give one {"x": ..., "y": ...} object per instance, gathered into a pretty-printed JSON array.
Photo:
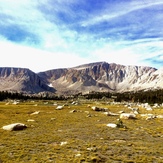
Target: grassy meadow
[{"x": 77, "y": 134}]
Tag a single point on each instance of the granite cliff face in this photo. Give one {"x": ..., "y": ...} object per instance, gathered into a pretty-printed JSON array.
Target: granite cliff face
[{"x": 100, "y": 76}]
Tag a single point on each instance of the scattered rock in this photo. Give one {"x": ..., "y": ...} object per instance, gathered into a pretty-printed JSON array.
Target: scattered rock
[
  {"x": 127, "y": 116},
  {"x": 15, "y": 127},
  {"x": 63, "y": 143},
  {"x": 95, "y": 108},
  {"x": 60, "y": 107},
  {"x": 112, "y": 125},
  {"x": 35, "y": 113},
  {"x": 30, "y": 120},
  {"x": 93, "y": 149},
  {"x": 110, "y": 114},
  {"x": 120, "y": 141},
  {"x": 73, "y": 111},
  {"x": 78, "y": 155},
  {"x": 159, "y": 116},
  {"x": 53, "y": 119}
]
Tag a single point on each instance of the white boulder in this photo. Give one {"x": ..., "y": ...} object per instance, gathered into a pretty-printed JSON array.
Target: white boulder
[
  {"x": 15, "y": 127},
  {"x": 112, "y": 125},
  {"x": 60, "y": 107},
  {"x": 127, "y": 116}
]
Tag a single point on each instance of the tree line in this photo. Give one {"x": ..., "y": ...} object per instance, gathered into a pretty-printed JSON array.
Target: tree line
[
  {"x": 4, "y": 95},
  {"x": 150, "y": 96}
]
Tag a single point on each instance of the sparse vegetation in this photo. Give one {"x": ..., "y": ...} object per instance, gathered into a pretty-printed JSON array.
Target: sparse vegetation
[{"x": 81, "y": 135}]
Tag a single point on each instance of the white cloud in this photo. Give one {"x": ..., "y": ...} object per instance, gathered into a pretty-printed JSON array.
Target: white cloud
[
  {"x": 62, "y": 45},
  {"x": 36, "y": 60},
  {"x": 117, "y": 55}
]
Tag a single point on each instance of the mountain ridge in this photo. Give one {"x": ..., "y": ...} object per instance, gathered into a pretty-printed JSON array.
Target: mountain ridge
[{"x": 96, "y": 76}]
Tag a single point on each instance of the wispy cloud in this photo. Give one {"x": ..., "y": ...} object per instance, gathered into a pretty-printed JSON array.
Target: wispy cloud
[
  {"x": 127, "y": 32},
  {"x": 117, "y": 9},
  {"x": 139, "y": 52}
]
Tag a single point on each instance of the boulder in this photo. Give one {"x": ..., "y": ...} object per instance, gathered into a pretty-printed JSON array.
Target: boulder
[
  {"x": 60, "y": 107},
  {"x": 127, "y": 116},
  {"x": 110, "y": 114},
  {"x": 95, "y": 108},
  {"x": 15, "y": 127},
  {"x": 112, "y": 125}
]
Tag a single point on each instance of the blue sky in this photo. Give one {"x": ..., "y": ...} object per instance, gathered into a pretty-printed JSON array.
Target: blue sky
[{"x": 48, "y": 34}]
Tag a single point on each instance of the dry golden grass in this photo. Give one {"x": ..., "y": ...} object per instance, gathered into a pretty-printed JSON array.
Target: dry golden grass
[{"x": 60, "y": 136}]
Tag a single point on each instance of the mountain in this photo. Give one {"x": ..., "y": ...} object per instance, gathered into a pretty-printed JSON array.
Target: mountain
[
  {"x": 102, "y": 76},
  {"x": 21, "y": 80},
  {"x": 99, "y": 76}
]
